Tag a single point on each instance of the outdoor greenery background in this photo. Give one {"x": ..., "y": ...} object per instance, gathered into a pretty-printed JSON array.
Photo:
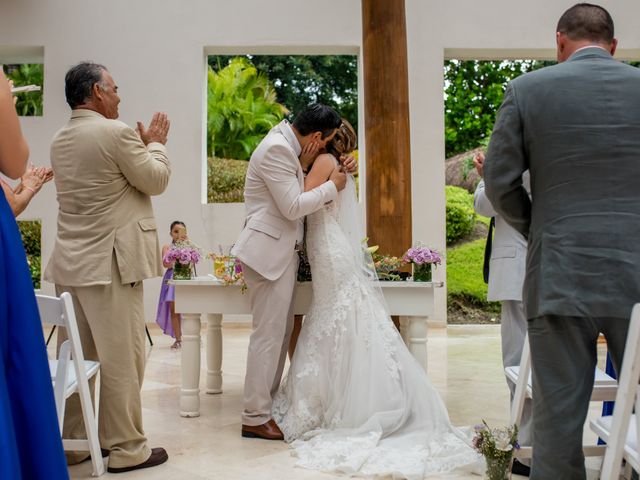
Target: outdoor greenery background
[
  {"x": 31, "y": 232},
  {"x": 249, "y": 94},
  {"x": 29, "y": 104}
]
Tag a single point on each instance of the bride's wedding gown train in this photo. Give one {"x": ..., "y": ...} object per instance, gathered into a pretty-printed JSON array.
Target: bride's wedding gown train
[{"x": 355, "y": 401}]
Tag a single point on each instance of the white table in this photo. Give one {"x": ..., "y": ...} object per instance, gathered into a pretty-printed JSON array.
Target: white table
[{"x": 412, "y": 301}]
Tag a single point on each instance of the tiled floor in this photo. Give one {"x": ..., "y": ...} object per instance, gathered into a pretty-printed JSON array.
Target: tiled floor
[{"x": 464, "y": 363}]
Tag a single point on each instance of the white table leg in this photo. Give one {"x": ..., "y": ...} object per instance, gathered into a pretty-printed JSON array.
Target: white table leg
[
  {"x": 190, "y": 391},
  {"x": 214, "y": 353},
  {"x": 404, "y": 327},
  {"x": 416, "y": 338}
]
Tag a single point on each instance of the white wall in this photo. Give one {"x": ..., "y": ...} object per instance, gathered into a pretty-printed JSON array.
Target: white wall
[{"x": 155, "y": 50}]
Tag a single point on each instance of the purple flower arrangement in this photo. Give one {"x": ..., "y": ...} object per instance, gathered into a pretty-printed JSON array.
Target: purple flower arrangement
[
  {"x": 421, "y": 255},
  {"x": 184, "y": 254}
]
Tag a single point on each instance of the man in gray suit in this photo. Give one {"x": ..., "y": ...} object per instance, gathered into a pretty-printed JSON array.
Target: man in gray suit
[{"x": 576, "y": 127}]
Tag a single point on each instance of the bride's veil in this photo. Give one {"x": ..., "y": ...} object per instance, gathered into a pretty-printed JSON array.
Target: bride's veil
[{"x": 351, "y": 224}]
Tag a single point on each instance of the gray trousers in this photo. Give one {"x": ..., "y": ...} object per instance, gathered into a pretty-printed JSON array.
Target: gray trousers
[
  {"x": 513, "y": 329},
  {"x": 563, "y": 357},
  {"x": 271, "y": 307}
]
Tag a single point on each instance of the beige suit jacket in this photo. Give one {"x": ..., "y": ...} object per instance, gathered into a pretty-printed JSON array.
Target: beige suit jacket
[
  {"x": 104, "y": 177},
  {"x": 276, "y": 203}
]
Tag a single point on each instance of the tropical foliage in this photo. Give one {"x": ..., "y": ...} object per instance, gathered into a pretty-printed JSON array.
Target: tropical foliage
[
  {"x": 31, "y": 232},
  {"x": 300, "y": 80},
  {"x": 473, "y": 92},
  {"x": 241, "y": 108},
  {"x": 29, "y": 104}
]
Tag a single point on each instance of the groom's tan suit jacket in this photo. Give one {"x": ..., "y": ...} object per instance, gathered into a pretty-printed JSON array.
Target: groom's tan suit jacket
[
  {"x": 276, "y": 203},
  {"x": 104, "y": 177}
]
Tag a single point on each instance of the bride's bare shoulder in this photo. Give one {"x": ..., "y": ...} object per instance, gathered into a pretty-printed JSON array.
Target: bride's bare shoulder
[{"x": 325, "y": 160}]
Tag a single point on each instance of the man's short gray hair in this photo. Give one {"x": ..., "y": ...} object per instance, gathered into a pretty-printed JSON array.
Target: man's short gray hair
[{"x": 79, "y": 82}]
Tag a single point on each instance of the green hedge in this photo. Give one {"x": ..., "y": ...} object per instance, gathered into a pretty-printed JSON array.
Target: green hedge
[
  {"x": 225, "y": 180},
  {"x": 461, "y": 216},
  {"x": 31, "y": 232}
]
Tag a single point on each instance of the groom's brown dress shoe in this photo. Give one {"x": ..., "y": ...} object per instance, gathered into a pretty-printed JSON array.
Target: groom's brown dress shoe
[
  {"x": 266, "y": 431},
  {"x": 158, "y": 456}
]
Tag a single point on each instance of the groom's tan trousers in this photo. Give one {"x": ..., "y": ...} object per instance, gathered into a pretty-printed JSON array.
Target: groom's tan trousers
[
  {"x": 271, "y": 307},
  {"x": 111, "y": 325}
]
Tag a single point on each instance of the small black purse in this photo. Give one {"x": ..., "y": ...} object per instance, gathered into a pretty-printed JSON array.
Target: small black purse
[{"x": 304, "y": 269}]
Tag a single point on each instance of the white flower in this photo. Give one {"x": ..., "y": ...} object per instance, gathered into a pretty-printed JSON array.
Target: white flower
[{"x": 503, "y": 441}]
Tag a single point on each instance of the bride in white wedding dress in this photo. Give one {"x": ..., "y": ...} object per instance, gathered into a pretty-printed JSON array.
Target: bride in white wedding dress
[{"x": 355, "y": 401}]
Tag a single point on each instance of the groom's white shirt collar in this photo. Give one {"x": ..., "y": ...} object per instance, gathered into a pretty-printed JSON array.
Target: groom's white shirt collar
[
  {"x": 287, "y": 131},
  {"x": 590, "y": 46}
]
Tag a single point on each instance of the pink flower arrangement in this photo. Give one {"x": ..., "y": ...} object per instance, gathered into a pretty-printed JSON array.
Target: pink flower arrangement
[
  {"x": 182, "y": 253},
  {"x": 421, "y": 255}
]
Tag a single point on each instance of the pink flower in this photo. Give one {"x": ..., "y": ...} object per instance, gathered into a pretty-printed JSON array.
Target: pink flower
[{"x": 184, "y": 254}]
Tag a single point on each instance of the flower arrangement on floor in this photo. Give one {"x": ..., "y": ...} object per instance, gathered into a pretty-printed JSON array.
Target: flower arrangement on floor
[
  {"x": 497, "y": 445},
  {"x": 422, "y": 259}
]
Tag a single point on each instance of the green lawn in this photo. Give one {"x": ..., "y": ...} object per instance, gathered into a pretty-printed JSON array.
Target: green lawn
[
  {"x": 464, "y": 274},
  {"x": 484, "y": 220}
]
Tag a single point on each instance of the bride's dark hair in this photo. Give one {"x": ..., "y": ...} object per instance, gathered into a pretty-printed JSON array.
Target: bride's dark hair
[{"x": 344, "y": 141}]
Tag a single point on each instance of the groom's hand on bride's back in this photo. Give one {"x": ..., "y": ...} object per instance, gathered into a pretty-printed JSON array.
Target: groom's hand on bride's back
[{"x": 339, "y": 178}]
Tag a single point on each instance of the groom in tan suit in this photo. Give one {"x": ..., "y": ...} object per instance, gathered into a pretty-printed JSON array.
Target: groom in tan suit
[
  {"x": 276, "y": 203},
  {"x": 106, "y": 245}
]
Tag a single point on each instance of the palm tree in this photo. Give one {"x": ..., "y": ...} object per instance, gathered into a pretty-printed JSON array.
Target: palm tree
[{"x": 241, "y": 108}]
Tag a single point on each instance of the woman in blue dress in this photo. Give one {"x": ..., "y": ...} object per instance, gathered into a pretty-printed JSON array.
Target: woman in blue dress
[{"x": 30, "y": 443}]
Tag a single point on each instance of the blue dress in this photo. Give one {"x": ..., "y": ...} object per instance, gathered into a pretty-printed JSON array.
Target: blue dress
[{"x": 30, "y": 443}]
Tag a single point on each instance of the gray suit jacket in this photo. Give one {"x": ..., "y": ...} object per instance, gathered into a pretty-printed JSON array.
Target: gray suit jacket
[
  {"x": 576, "y": 127},
  {"x": 508, "y": 252}
]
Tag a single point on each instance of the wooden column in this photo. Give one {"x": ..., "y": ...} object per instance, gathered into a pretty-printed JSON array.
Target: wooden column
[{"x": 386, "y": 97}]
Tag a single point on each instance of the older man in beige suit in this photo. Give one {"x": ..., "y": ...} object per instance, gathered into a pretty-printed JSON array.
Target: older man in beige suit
[
  {"x": 276, "y": 203},
  {"x": 106, "y": 245}
]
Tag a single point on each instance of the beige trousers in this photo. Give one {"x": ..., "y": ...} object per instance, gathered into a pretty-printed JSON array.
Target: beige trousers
[
  {"x": 111, "y": 325},
  {"x": 271, "y": 307}
]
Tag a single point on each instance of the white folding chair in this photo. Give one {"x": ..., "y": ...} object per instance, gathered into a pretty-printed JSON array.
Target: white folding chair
[
  {"x": 70, "y": 373},
  {"x": 604, "y": 389},
  {"x": 620, "y": 430}
]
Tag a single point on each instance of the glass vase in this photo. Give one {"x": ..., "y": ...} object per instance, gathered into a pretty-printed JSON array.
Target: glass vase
[
  {"x": 219, "y": 266},
  {"x": 497, "y": 468},
  {"x": 422, "y": 273},
  {"x": 182, "y": 271}
]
